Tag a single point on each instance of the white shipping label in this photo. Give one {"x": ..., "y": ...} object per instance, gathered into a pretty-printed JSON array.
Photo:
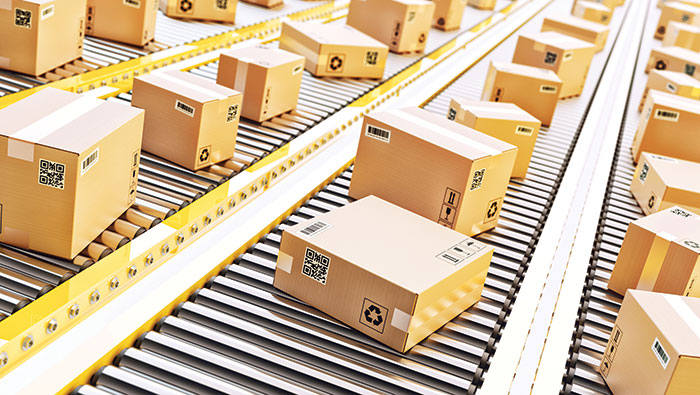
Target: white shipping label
[
  {"x": 524, "y": 130},
  {"x": 90, "y": 161},
  {"x": 296, "y": 70},
  {"x": 184, "y": 108},
  {"x": 47, "y": 12},
  {"x": 548, "y": 89},
  {"x": 666, "y": 115},
  {"x": 568, "y": 56},
  {"x": 316, "y": 265},
  {"x": 378, "y": 133},
  {"x": 464, "y": 250},
  {"x": 660, "y": 353},
  {"x": 671, "y": 88},
  {"x": 133, "y": 3},
  {"x": 314, "y": 229}
]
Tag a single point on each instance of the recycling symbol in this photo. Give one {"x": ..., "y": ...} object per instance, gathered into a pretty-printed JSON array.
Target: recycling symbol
[
  {"x": 373, "y": 315},
  {"x": 652, "y": 200},
  {"x": 336, "y": 63},
  {"x": 660, "y": 65},
  {"x": 186, "y": 5},
  {"x": 492, "y": 210},
  {"x": 204, "y": 155},
  {"x": 421, "y": 38}
]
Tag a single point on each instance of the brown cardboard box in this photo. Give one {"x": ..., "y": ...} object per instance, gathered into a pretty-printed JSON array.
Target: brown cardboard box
[
  {"x": 608, "y": 3},
  {"x": 678, "y": 12},
  {"x": 334, "y": 50},
  {"x": 660, "y": 253},
  {"x": 695, "y": 3},
  {"x": 448, "y": 14},
  {"x": 675, "y": 59},
  {"x": 269, "y": 79},
  {"x": 397, "y": 288},
  {"x": 673, "y": 82},
  {"x": 668, "y": 127},
  {"x": 594, "y": 33},
  {"x": 39, "y": 35},
  {"x": 533, "y": 89},
  {"x": 655, "y": 346},
  {"x": 682, "y": 35},
  {"x": 592, "y": 11},
  {"x": 69, "y": 166},
  {"x": 567, "y": 56},
  {"x": 265, "y": 3},
  {"x": 482, "y": 4},
  {"x": 129, "y": 21},
  {"x": 504, "y": 121},
  {"x": 403, "y": 25},
  {"x": 660, "y": 182},
  {"x": 211, "y": 10},
  {"x": 189, "y": 120},
  {"x": 444, "y": 171}
]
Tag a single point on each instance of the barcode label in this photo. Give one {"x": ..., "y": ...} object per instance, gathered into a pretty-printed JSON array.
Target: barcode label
[
  {"x": 664, "y": 158},
  {"x": 184, "y": 108},
  {"x": 47, "y": 12},
  {"x": 297, "y": 69},
  {"x": 667, "y": 115},
  {"x": 222, "y": 4},
  {"x": 645, "y": 171},
  {"x": 671, "y": 88},
  {"x": 314, "y": 229},
  {"x": 682, "y": 213},
  {"x": 548, "y": 89},
  {"x": 567, "y": 56},
  {"x": 133, "y": 3},
  {"x": 23, "y": 18},
  {"x": 478, "y": 179},
  {"x": 660, "y": 353},
  {"x": 524, "y": 130},
  {"x": 452, "y": 114},
  {"x": 371, "y": 58},
  {"x": 52, "y": 174},
  {"x": 232, "y": 113},
  {"x": 377, "y": 133},
  {"x": 459, "y": 252},
  {"x": 316, "y": 265},
  {"x": 90, "y": 161}
]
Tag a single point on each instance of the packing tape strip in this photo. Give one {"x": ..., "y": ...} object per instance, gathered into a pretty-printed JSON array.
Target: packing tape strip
[
  {"x": 284, "y": 262},
  {"x": 4, "y": 62},
  {"x": 687, "y": 314},
  {"x": 5, "y": 4},
  {"x": 400, "y": 320},
  {"x": 194, "y": 87},
  {"x": 241, "y": 74}
]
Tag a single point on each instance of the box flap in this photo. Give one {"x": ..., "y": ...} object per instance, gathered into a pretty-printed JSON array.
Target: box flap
[
  {"x": 678, "y": 52},
  {"x": 682, "y": 79},
  {"x": 593, "y": 5},
  {"x": 675, "y": 173},
  {"x": 660, "y": 98},
  {"x": 558, "y": 40},
  {"x": 577, "y": 22},
  {"x": 189, "y": 85},
  {"x": 335, "y": 34},
  {"x": 673, "y": 223},
  {"x": 527, "y": 71},
  {"x": 263, "y": 55},
  {"x": 497, "y": 110},
  {"x": 681, "y": 7}
]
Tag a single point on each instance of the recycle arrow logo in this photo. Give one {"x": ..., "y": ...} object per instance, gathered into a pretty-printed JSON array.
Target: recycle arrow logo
[
  {"x": 204, "y": 155},
  {"x": 373, "y": 315}
]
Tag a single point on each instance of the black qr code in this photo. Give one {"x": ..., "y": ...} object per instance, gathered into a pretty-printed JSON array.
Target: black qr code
[
  {"x": 550, "y": 58},
  {"x": 645, "y": 171},
  {"x": 478, "y": 179},
  {"x": 371, "y": 58},
  {"x": 690, "y": 69},
  {"x": 452, "y": 114},
  {"x": 681, "y": 212},
  {"x": 222, "y": 4},
  {"x": 232, "y": 113},
  {"x": 23, "y": 18},
  {"x": 52, "y": 174},
  {"x": 316, "y": 265}
]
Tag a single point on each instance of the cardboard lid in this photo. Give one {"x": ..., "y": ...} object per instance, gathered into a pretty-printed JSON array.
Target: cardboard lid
[
  {"x": 527, "y": 71},
  {"x": 681, "y": 7},
  {"x": 678, "y": 52},
  {"x": 497, "y": 110},
  {"x": 62, "y": 120},
  {"x": 195, "y": 88},
  {"x": 263, "y": 55},
  {"x": 593, "y": 4},
  {"x": 681, "y": 79},
  {"x": 683, "y": 26},
  {"x": 661, "y": 98},
  {"x": 675, "y": 173},
  {"x": 673, "y": 223},
  {"x": 334, "y": 34},
  {"x": 558, "y": 40},
  {"x": 578, "y": 23}
]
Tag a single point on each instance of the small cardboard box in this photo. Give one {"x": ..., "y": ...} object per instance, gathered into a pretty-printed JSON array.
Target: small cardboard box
[
  {"x": 673, "y": 82},
  {"x": 128, "y": 21},
  {"x": 695, "y": 3},
  {"x": 334, "y": 50},
  {"x": 592, "y": 11},
  {"x": 210, "y": 10},
  {"x": 678, "y": 12},
  {"x": 682, "y": 35},
  {"x": 448, "y": 14},
  {"x": 189, "y": 120},
  {"x": 668, "y": 127},
  {"x": 265, "y": 3},
  {"x": 269, "y": 78},
  {"x": 397, "y": 288},
  {"x": 660, "y": 253},
  {"x": 654, "y": 347},
  {"x": 403, "y": 25},
  {"x": 533, "y": 89},
  {"x": 425, "y": 163},
  {"x": 69, "y": 166},
  {"x": 567, "y": 56},
  {"x": 660, "y": 182},
  {"x": 504, "y": 121},
  {"x": 594, "y": 33},
  {"x": 482, "y": 4},
  {"x": 675, "y": 59},
  {"x": 38, "y": 35}
]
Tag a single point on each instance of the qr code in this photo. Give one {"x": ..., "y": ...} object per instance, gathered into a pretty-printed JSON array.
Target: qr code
[
  {"x": 452, "y": 114},
  {"x": 232, "y": 113},
  {"x": 316, "y": 265},
  {"x": 681, "y": 212},
  {"x": 52, "y": 174},
  {"x": 23, "y": 18},
  {"x": 371, "y": 58},
  {"x": 222, "y": 4},
  {"x": 550, "y": 58},
  {"x": 645, "y": 171},
  {"x": 478, "y": 179},
  {"x": 689, "y": 69}
]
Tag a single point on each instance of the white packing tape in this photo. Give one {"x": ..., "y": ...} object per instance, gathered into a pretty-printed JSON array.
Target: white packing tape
[
  {"x": 400, "y": 320},
  {"x": 241, "y": 74},
  {"x": 284, "y": 262},
  {"x": 194, "y": 87},
  {"x": 685, "y": 312}
]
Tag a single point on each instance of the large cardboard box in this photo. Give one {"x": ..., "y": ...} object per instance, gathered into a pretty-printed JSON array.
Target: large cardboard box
[
  {"x": 482, "y": 4},
  {"x": 682, "y": 35},
  {"x": 673, "y": 82},
  {"x": 448, "y": 14},
  {"x": 190, "y": 120},
  {"x": 678, "y": 12},
  {"x": 69, "y": 166},
  {"x": 129, "y": 21},
  {"x": 403, "y": 25},
  {"x": 660, "y": 253},
  {"x": 675, "y": 59},
  {"x": 504, "y": 121},
  {"x": 567, "y": 56},
  {"x": 654, "y": 347},
  {"x": 265, "y": 3},
  {"x": 533, "y": 89},
  {"x": 333, "y": 50},
  {"x": 660, "y": 182},
  {"x": 668, "y": 127},
  {"x": 398, "y": 283},
  {"x": 425, "y": 163},
  {"x": 37, "y": 36},
  {"x": 594, "y": 33},
  {"x": 211, "y": 10},
  {"x": 592, "y": 11},
  {"x": 269, "y": 78}
]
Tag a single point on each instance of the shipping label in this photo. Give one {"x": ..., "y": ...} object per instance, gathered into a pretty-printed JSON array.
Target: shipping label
[{"x": 316, "y": 265}]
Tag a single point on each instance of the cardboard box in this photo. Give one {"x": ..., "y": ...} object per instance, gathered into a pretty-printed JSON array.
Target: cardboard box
[
  {"x": 210, "y": 10},
  {"x": 695, "y": 3},
  {"x": 592, "y": 11},
  {"x": 533, "y": 89},
  {"x": 594, "y": 33},
  {"x": 675, "y": 59},
  {"x": 448, "y": 14},
  {"x": 660, "y": 182},
  {"x": 190, "y": 120},
  {"x": 128, "y": 21},
  {"x": 682, "y": 35},
  {"x": 403, "y": 25},
  {"x": 567, "y": 56},
  {"x": 69, "y": 166},
  {"x": 678, "y": 12},
  {"x": 397, "y": 288},
  {"x": 38, "y": 36},
  {"x": 504, "y": 121},
  {"x": 425, "y": 163},
  {"x": 673, "y": 82},
  {"x": 269, "y": 79},
  {"x": 334, "y": 50},
  {"x": 668, "y": 127},
  {"x": 654, "y": 347},
  {"x": 482, "y": 4},
  {"x": 265, "y": 3}
]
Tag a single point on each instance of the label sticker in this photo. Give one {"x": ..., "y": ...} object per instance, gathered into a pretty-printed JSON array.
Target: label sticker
[
  {"x": 378, "y": 134},
  {"x": 47, "y": 12},
  {"x": 297, "y": 69},
  {"x": 671, "y": 88},
  {"x": 232, "y": 113},
  {"x": 605, "y": 367},
  {"x": 52, "y": 174},
  {"x": 204, "y": 154},
  {"x": 548, "y": 89},
  {"x": 447, "y": 215},
  {"x": 452, "y": 114},
  {"x": 184, "y": 108},
  {"x": 667, "y": 115},
  {"x": 477, "y": 179},
  {"x": 550, "y": 58},
  {"x": 314, "y": 229},
  {"x": 452, "y": 197},
  {"x": 613, "y": 344},
  {"x": 644, "y": 172},
  {"x": 221, "y": 4},
  {"x": 23, "y": 18},
  {"x": 567, "y": 56},
  {"x": 524, "y": 130},
  {"x": 660, "y": 353},
  {"x": 90, "y": 161},
  {"x": 459, "y": 252},
  {"x": 371, "y": 58},
  {"x": 689, "y": 69},
  {"x": 664, "y": 158},
  {"x": 373, "y": 315},
  {"x": 132, "y": 3},
  {"x": 316, "y": 266},
  {"x": 492, "y": 210},
  {"x": 682, "y": 213}
]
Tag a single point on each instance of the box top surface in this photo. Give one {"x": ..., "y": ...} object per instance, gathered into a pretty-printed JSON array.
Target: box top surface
[
  {"x": 558, "y": 40},
  {"x": 673, "y": 224},
  {"x": 674, "y": 101},
  {"x": 592, "y": 4},
  {"x": 675, "y": 173},
  {"x": 263, "y": 55},
  {"x": 681, "y": 7},
  {"x": 578, "y": 22},
  {"x": 496, "y": 110},
  {"x": 334, "y": 34},
  {"x": 679, "y": 78},
  {"x": 410, "y": 2},
  {"x": 39, "y": 2},
  {"x": 527, "y": 71},
  {"x": 679, "y": 52},
  {"x": 49, "y": 116},
  {"x": 189, "y": 85},
  {"x": 396, "y": 244},
  {"x": 683, "y": 26}
]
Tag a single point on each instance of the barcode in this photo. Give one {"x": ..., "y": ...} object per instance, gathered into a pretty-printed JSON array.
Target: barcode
[
  {"x": 133, "y": 3},
  {"x": 316, "y": 265},
  {"x": 645, "y": 171},
  {"x": 671, "y": 87},
  {"x": 660, "y": 353},
  {"x": 667, "y": 115},
  {"x": 297, "y": 69},
  {"x": 90, "y": 161},
  {"x": 23, "y": 18},
  {"x": 371, "y": 58},
  {"x": 524, "y": 130},
  {"x": 478, "y": 179},
  {"x": 184, "y": 108},
  {"x": 452, "y": 114},
  {"x": 548, "y": 88},
  {"x": 232, "y": 113},
  {"x": 449, "y": 258},
  {"x": 52, "y": 174},
  {"x": 315, "y": 228},
  {"x": 681, "y": 212},
  {"x": 567, "y": 56},
  {"x": 664, "y": 158},
  {"x": 550, "y": 58},
  {"x": 377, "y": 133},
  {"x": 47, "y": 12},
  {"x": 222, "y": 4}
]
